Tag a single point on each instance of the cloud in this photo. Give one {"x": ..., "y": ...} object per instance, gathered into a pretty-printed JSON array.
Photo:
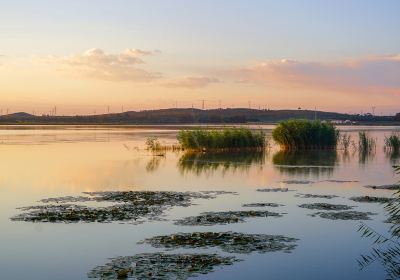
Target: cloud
[
  {"x": 190, "y": 82},
  {"x": 375, "y": 74},
  {"x": 95, "y": 63}
]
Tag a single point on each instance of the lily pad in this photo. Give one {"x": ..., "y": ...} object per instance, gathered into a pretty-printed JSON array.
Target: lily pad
[
  {"x": 344, "y": 215},
  {"x": 297, "y": 182},
  {"x": 372, "y": 199},
  {"x": 160, "y": 266},
  {"x": 326, "y": 206},
  {"x": 230, "y": 242},
  {"x": 129, "y": 206},
  {"x": 340, "y": 181},
  {"x": 261, "y": 204},
  {"x": 273, "y": 190},
  {"x": 384, "y": 187},
  {"x": 222, "y": 218},
  {"x": 309, "y": 195}
]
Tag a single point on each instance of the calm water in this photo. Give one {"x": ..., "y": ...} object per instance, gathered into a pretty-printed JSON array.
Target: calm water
[{"x": 41, "y": 162}]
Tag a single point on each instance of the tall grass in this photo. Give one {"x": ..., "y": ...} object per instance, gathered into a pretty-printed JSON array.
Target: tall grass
[
  {"x": 345, "y": 141},
  {"x": 392, "y": 142},
  {"x": 305, "y": 134},
  {"x": 366, "y": 143},
  {"x": 225, "y": 139}
]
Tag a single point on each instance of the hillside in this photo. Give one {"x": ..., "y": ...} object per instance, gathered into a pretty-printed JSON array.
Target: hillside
[{"x": 193, "y": 116}]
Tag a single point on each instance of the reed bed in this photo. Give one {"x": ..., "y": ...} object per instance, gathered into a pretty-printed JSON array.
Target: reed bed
[
  {"x": 392, "y": 142},
  {"x": 305, "y": 135},
  {"x": 366, "y": 143},
  {"x": 222, "y": 140}
]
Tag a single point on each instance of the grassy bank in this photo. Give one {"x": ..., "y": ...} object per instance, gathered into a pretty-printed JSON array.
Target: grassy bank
[
  {"x": 305, "y": 134},
  {"x": 225, "y": 139}
]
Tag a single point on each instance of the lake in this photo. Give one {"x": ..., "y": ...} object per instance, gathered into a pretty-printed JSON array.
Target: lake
[{"x": 40, "y": 162}]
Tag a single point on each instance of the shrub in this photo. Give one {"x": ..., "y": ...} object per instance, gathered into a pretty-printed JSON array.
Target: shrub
[{"x": 305, "y": 134}]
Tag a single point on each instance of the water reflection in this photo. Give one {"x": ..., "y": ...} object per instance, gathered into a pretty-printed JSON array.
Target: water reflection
[
  {"x": 306, "y": 163},
  {"x": 366, "y": 156},
  {"x": 200, "y": 163},
  {"x": 392, "y": 155}
]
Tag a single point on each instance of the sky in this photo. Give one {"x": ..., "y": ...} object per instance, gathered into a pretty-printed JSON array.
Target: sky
[{"x": 85, "y": 56}]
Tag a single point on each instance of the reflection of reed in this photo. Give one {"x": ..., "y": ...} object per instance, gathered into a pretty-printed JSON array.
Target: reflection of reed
[
  {"x": 310, "y": 162},
  {"x": 365, "y": 155},
  {"x": 392, "y": 155},
  {"x": 153, "y": 164},
  {"x": 386, "y": 249},
  {"x": 199, "y": 163}
]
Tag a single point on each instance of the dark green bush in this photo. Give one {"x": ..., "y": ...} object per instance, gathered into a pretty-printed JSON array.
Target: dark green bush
[{"x": 305, "y": 134}]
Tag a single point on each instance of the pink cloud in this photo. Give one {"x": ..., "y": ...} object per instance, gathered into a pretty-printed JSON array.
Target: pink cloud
[
  {"x": 95, "y": 63},
  {"x": 373, "y": 74},
  {"x": 190, "y": 82}
]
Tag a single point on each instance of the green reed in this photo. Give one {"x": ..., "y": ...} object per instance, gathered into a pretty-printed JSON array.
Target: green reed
[
  {"x": 305, "y": 134},
  {"x": 222, "y": 139},
  {"x": 392, "y": 142}
]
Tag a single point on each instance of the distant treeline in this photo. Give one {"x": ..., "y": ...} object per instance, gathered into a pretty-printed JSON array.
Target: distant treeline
[{"x": 196, "y": 116}]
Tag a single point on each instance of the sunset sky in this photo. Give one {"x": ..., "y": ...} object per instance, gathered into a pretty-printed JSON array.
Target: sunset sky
[{"x": 85, "y": 55}]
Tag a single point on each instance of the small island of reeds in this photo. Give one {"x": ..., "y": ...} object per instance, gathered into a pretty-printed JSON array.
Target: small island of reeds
[
  {"x": 227, "y": 139},
  {"x": 305, "y": 135}
]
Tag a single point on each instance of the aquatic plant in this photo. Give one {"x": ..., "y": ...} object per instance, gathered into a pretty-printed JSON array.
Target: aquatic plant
[
  {"x": 345, "y": 141},
  {"x": 309, "y": 195},
  {"x": 305, "y": 135},
  {"x": 325, "y": 206},
  {"x": 226, "y": 139},
  {"x": 392, "y": 142},
  {"x": 386, "y": 249},
  {"x": 130, "y": 206},
  {"x": 371, "y": 199},
  {"x": 160, "y": 266},
  {"x": 154, "y": 145},
  {"x": 230, "y": 242},
  {"x": 365, "y": 142},
  {"x": 223, "y": 218},
  {"x": 343, "y": 215}
]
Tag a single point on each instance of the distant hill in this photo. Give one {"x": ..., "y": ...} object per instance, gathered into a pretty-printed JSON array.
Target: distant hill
[
  {"x": 196, "y": 116},
  {"x": 19, "y": 115}
]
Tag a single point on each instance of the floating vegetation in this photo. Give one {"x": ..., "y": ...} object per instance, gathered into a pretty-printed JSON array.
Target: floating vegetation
[
  {"x": 325, "y": 206},
  {"x": 200, "y": 162},
  {"x": 130, "y": 206},
  {"x": 160, "y": 266},
  {"x": 341, "y": 181},
  {"x": 261, "y": 204},
  {"x": 225, "y": 139},
  {"x": 297, "y": 182},
  {"x": 309, "y": 195},
  {"x": 344, "y": 215},
  {"x": 372, "y": 199},
  {"x": 222, "y": 218},
  {"x": 273, "y": 190},
  {"x": 392, "y": 187},
  {"x": 230, "y": 242},
  {"x": 305, "y": 135}
]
